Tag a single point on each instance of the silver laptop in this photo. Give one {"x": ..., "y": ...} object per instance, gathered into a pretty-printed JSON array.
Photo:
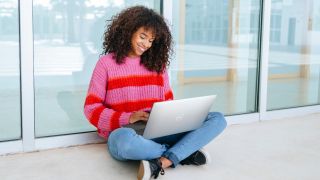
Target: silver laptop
[{"x": 176, "y": 116}]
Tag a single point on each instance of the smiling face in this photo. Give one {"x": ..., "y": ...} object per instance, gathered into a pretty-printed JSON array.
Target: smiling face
[{"x": 141, "y": 41}]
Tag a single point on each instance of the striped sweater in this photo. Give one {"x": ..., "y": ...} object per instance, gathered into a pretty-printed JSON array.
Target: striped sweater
[{"x": 115, "y": 91}]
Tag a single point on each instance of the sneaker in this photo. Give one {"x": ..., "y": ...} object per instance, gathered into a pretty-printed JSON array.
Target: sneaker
[
  {"x": 198, "y": 158},
  {"x": 149, "y": 169}
]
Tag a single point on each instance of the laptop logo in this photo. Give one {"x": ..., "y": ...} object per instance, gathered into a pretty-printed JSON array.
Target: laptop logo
[{"x": 180, "y": 118}]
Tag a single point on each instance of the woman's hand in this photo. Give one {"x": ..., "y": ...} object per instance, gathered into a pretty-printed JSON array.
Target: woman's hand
[{"x": 138, "y": 116}]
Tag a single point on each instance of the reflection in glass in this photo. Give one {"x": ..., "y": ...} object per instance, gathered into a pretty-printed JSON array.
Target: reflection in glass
[
  {"x": 294, "y": 57},
  {"x": 216, "y": 52},
  {"x": 10, "y": 121},
  {"x": 67, "y": 43}
]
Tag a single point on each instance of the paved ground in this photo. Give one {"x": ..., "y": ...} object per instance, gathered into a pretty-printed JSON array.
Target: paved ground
[{"x": 278, "y": 149}]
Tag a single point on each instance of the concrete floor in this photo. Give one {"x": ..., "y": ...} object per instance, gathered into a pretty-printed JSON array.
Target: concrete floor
[{"x": 286, "y": 149}]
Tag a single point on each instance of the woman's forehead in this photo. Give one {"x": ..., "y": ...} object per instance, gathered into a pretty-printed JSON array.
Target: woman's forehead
[{"x": 147, "y": 31}]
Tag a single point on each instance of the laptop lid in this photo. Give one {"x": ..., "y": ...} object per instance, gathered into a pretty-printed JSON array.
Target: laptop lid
[{"x": 176, "y": 116}]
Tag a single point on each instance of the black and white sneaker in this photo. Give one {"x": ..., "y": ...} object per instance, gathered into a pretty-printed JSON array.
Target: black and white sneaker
[
  {"x": 197, "y": 158},
  {"x": 150, "y": 169}
]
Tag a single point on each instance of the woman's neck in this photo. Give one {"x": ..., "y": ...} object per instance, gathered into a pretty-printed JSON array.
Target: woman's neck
[{"x": 132, "y": 55}]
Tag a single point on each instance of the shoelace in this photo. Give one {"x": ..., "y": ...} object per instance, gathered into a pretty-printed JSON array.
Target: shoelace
[
  {"x": 162, "y": 171},
  {"x": 159, "y": 170}
]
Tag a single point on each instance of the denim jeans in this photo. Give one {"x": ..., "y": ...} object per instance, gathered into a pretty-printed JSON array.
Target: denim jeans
[{"x": 124, "y": 144}]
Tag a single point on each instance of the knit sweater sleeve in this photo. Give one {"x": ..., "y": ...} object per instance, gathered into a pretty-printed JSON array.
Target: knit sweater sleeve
[
  {"x": 167, "y": 89},
  {"x": 95, "y": 110}
]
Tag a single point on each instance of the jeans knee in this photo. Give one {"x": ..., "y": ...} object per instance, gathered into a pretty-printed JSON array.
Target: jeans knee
[
  {"x": 120, "y": 142},
  {"x": 120, "y": 133},
  {"x": 218, "y": 119}
]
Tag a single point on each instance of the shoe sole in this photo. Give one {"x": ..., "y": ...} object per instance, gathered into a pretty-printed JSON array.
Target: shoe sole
[
  {"x": 144, "y": 173},
  {"x": 207, "y": 155}
]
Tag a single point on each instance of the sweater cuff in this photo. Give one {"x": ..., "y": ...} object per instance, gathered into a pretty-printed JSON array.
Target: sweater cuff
[{"x": 124, "y": 118}]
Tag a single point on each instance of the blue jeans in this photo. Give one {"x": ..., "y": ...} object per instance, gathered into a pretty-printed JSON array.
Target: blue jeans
[{"x": 124, "y": 144}]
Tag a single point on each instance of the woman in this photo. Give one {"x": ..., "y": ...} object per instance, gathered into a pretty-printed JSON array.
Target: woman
[{"x": 127, "y": 80}]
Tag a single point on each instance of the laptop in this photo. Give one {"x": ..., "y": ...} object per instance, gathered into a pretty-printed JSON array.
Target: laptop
[{"x": 176, "y": 116}]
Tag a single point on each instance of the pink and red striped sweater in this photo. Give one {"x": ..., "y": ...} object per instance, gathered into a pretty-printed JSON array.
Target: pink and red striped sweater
[{"x": 115, "y": 91}]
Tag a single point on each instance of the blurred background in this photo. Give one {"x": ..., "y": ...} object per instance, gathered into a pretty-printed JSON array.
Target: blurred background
[{"x": 217, "y": 46}]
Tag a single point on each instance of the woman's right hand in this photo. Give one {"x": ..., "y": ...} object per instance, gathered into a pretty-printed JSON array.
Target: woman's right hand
[{"x": 138, "y": 116}]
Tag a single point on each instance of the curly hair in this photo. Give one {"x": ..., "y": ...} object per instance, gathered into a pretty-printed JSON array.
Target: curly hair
[{"x": 117, "y": 37}]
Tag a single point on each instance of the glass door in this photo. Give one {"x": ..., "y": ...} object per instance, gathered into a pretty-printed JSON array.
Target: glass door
[
  {"x": 216, "y": 52},
  {"x": 67, "y": 44},
  {"x": 294, "y": 55},
  {"x": 10, "y": 116}
]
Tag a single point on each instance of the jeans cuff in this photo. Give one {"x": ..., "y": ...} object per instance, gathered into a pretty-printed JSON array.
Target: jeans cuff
[{"x": 172, "y": 157}]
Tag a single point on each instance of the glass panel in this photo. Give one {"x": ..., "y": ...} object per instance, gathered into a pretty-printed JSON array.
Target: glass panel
[
  {"x": 294, "y": 58},
  {"x": 67, "y": 43},
  {"x": 10, "y": 118},
  {"x": 216, "y": 52}
]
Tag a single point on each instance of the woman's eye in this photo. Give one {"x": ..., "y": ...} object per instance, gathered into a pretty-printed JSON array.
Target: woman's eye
[{"x": 142, "y": 37}]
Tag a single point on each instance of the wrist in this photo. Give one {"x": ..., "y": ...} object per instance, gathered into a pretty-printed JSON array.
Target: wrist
[
  {"x": 131, "y": 119},
  {"x": 124, "y": 118}
]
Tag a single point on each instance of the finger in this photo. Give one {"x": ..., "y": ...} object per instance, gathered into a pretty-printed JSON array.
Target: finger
[
  {"x": 144, "y": 118},
  {"x": 145, "y": 115},
  {"x": 140, "y": 113}
]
